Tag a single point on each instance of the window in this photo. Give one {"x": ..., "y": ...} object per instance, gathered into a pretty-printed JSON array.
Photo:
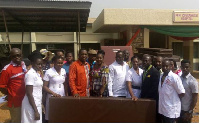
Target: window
[
  {"x": 54, "y": 47},
  {"x": 196, "y": 50},
  {"x": 95, "y": 46},
  {"x": 178, "y": 48}
]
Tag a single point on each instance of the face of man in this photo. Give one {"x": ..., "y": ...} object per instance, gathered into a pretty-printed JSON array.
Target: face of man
[
  {"x": 166, "y": 66},
  {"x": 61, "y": 54},
  {"x": 83, "y": 55},
  {"x": 126, "y": 54},
  {"x": 158, "y": 63},
  {"x": 92, "y": 57},
  {"x": 16, "y": 56},
  {"x": 146, "y": 61},
  {"x": 185, "y": 67},
  {"x": 140, "y": 63},
  {"x": 69, "y": 57},
  {"x": 120, "y": 58}
]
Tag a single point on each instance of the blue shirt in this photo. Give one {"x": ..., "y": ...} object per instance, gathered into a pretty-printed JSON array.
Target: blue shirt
[
  {"x": 91, "y": 64},
  {"x": 66, "y": 67}
]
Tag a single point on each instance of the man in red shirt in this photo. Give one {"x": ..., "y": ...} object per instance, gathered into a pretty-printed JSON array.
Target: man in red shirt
[
  {"x": 79, "y": 75},
  {"x": 12, "y": 84}
]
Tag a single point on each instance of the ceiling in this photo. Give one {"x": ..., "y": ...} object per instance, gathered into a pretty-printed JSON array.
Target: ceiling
[{"x": 43, "y": 15}]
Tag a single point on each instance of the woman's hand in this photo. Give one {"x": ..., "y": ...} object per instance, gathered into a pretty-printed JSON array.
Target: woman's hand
[
  {"x": 134, "y": 98},
  {"x": 37, "y": 116},
  {"x": 41, "y": 73},
  {"x": 56, "y": 95},
  {"x": 76, "y": 95}
]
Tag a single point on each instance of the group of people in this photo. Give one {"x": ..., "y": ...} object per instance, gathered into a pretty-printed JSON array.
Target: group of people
[{"x": 30, "y": 83}]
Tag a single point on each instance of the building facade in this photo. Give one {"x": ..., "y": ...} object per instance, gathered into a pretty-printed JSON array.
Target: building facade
[{"x": 115, "y": 27}]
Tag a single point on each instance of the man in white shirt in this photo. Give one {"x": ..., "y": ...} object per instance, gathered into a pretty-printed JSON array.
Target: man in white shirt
[
  {"x": 158, "y": 63},
  {"x": 117, "y": 74},
  {"x": 170, "y": 91},
  {"x": 189, "y": 100},
  {"x": 126, "y": 58}
]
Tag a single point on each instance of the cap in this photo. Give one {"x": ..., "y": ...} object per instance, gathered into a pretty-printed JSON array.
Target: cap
[
  {"x": 47, "y": 53},
  {"x": 92, "y": 51}
]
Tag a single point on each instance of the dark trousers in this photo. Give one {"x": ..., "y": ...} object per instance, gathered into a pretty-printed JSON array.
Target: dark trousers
[
  {"x": 181, "y": 118},
  {"x": 122, "y": 96},
  {"x": 158, "y": 118},
  {"x": 168, "y": 120}
]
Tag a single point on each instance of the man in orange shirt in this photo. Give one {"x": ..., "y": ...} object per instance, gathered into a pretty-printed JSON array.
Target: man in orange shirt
[
  {"x": 79, "y": 75},
  {"x": 12, "y": 84}
]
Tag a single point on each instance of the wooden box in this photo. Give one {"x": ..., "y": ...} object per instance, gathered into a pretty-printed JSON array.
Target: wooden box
[{"x": 101, "y": 110}]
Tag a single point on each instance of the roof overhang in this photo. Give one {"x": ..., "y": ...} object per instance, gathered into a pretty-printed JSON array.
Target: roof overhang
[
  {"x": 117, "y": 20},
  {"x": 44, "y": 15}
]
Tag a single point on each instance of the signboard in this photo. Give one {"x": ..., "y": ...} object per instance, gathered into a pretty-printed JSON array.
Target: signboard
[{"x": 185, "y": 16}]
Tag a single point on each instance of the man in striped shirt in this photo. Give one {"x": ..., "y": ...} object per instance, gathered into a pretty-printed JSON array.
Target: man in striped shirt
[{"x": 12, "y": 84}]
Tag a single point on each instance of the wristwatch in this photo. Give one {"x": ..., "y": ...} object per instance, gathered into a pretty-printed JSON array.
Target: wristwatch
[{"x": 190, "y": 111}]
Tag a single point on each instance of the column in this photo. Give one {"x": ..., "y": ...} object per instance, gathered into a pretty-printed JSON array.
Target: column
[
  {"x": 129, "y": 34},
  {"x": 188, "y": 52},
  {"x": 146, "y": 38},
  {"x": 33, "y": 41},
  {"x": 75, "y": 47}
]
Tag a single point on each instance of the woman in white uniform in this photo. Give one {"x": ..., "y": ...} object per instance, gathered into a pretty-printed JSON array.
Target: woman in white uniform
[
  {"x": 54, "y": 80},
  {"x": 32, "y": 103},
  {"x": 134, "y": 79}
]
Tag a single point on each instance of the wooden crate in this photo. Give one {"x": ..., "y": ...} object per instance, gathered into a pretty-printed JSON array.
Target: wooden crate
[{"x": 101, "y": 110}]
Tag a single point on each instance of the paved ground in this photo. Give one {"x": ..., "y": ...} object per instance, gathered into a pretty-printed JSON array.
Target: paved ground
[{"x": 5, "y": 115}]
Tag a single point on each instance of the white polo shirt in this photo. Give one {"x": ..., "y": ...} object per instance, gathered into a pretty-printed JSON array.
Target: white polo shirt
[
  {"x": 116, "y": 80},
  {"x": 190, "y": 85},
  {"x": 169, "y": 101},
  {"x": 136, "y": 80}
]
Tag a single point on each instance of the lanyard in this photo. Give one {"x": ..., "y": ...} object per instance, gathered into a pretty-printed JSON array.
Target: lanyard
[{"x": 145, "y": 73}]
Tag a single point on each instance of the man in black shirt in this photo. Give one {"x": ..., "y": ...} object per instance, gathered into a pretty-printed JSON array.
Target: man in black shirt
[{"x": 150, "y": 81}]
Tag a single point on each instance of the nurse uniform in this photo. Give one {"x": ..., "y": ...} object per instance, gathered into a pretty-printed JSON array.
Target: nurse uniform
[
  {"x": 56, "y": 84},
  {"x": 136, "y": 81},
  {"x": 27, "y": 113}
]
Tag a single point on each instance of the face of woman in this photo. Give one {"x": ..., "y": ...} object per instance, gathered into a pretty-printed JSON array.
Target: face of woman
[
  {"x": 99, "y": 59},
  {"x": 37, "y": 65},
  {"x": 58, "y": 63},
  {"x": 135, "y": 63}
]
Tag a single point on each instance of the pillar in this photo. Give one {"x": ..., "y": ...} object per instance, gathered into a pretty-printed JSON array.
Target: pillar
[
  {"x": 75, "y": 47},
  {"x": 129, "y": 34},
  {"x": 33, "y": 41},
  {"x": 188, "y": 52},
  {"x": 33, "y": 45},
  {"x": 146, "y": 38}
]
